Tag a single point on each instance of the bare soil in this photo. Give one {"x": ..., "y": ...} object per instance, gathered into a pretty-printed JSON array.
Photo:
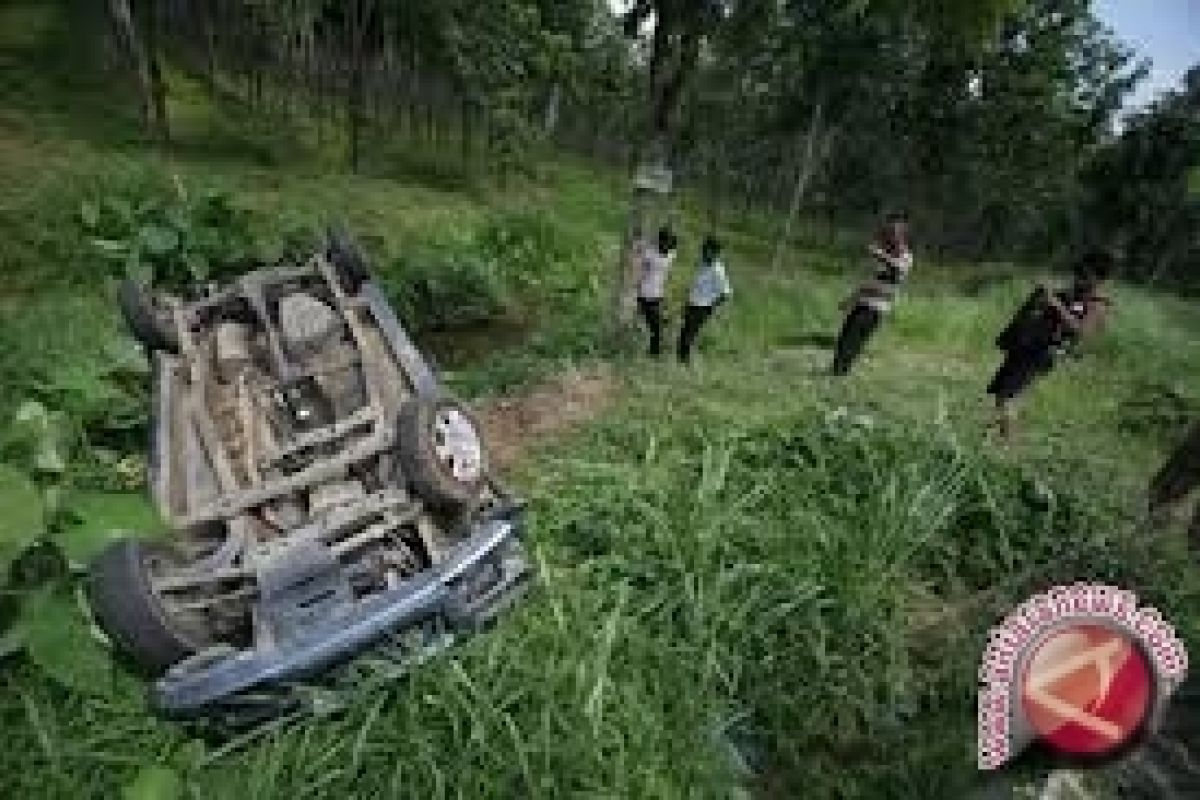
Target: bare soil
[{"x": 549, "y": 409}]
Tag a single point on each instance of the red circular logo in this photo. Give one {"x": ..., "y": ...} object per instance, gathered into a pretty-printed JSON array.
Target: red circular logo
[{"x": 1087, "y": 690}]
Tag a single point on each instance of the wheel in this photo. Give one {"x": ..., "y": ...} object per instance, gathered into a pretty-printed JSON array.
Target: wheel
[
  {"x": 148, "y": 323},
  {"x": 348, "y": 260},
  {"x": 130, "y": 611},
  {"x": 441, "y": 451}
]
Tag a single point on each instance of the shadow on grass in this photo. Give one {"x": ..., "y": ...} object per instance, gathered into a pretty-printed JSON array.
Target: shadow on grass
[{"x": 824, "y": 341}]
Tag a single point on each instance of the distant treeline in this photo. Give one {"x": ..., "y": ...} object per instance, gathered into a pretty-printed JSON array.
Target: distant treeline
[{"x": 993, "y": 123}]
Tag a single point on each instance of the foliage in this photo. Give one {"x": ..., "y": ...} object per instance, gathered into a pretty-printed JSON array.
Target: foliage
[
  {"x": 447, "y": 286},
  {"x": 175, "y": 242},
  {"x": 48, "y": 533},
  {"x": 1157, "y": 410},
  {"x": 1141, "y": 189},
  {"x": 946, "y": 93},
  {"x": 471, "y": 278}
]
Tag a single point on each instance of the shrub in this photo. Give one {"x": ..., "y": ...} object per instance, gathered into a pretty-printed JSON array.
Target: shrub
[
  {"x": 448, "y": 285},
  {"x": 515, "y": 261},
  {"x": 1157, "y": 410},
  {"x": 537, "y": 254},
  {"x": 173, "y": 242}
]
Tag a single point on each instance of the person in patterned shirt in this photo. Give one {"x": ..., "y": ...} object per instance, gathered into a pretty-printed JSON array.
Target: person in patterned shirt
[{"x": 893, "y": 258}]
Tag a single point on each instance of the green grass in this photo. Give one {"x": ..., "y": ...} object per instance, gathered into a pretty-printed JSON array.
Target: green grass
[{"x": 737, "y": 563}]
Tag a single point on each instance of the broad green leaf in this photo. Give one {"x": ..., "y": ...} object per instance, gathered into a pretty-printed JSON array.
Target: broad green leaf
[
  {"x": 42, "y": 436},
  {"x": 98, "y": 518},
  {"x": 197, "y": 265},
  {"x": 59, "y": 641},
  {"x": 22, "y": 518},
  {"x": 52, "y": 502},
  {"x": 125, "y": 357},
  {"x": 118, "y": 208},
  {"x": 89, "y": 214},
  {"x": 154, "y": 782},
  {"x": 137, "y": 269},
  {"x": 12, "y": 641},
  {"x": 158, "y": 240},
  {"x": 111, "y": 247}
]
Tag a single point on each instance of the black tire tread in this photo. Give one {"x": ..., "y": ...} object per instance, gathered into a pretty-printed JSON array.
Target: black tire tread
[
  {"x": 127, "y": 610},
  {"x": 417, "y": 458},
  {"x": 142, "y": 320}
]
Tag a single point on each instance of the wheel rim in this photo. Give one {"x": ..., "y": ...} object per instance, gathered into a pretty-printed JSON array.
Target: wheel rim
[{"x": 457, "y": 445}]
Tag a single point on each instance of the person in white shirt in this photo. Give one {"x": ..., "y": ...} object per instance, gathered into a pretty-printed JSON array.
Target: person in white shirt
[
  {"x": 652, "y": 284},
  {"x": 710, "y": 288},
  {"x": 894, "y": 260}
]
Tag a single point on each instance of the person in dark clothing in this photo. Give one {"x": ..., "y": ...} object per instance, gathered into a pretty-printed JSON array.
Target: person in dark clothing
[
  {"x": 893, "y": 261},
  {"x": 655, "y": 264},
  {"x": 710, "y": 288},
  {"x": 1046, "y": 325}
]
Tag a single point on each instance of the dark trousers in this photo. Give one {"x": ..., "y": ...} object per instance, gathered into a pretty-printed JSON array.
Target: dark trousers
[
  {"x": 860, "y": 323},
  {"x": 1021, "y": 366},
  {"x": 694, "y": 318},
  {"x": 652, "y": 313}
]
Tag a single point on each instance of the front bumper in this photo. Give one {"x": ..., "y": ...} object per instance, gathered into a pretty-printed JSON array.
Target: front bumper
[{"x": 209, "y": 678}]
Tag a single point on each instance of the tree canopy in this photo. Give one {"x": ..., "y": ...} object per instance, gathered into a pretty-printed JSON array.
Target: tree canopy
[{"x": 995, "y": 124}]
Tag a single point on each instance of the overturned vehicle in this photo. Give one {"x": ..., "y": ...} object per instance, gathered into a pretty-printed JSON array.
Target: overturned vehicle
[{"x": 324, "y": 492}]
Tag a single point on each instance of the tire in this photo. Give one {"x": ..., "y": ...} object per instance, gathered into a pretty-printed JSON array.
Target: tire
[
  {"x": 128, "y": 610},
  {"x": 441, "y": 452},
  {"x": 348, "y": 261},
  {"x": 146, "y": 322}
]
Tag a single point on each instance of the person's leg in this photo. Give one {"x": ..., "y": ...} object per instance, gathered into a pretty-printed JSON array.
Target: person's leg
[
  {"x": 652, "y": 312},
  {"x": 859, "y": 325},
  {"x": 1006, "y": 417},
  {"x": 1194, "y": 530},
  {"x": 694, "y": 318},
  {"x": 1010, "y": 381}
]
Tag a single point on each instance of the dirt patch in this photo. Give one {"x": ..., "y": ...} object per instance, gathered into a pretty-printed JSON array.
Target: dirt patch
[{"x": 511, "y": 424}]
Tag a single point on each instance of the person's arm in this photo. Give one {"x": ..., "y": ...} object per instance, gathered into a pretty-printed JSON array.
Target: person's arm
[
  {"x": 900, "y": 262},
  {"x": 1061, "y": 311},
  {"x": 1093, "y": 317},
  {"x": 723, "y": 283}
]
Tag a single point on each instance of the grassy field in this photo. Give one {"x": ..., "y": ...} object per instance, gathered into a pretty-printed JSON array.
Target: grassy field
[{"x": 752, "y": 580}]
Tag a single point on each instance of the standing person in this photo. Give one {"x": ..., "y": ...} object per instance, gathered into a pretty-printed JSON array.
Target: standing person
[
  {"x": 1048, "y": 324},
  {"x": 710, "y": 288},
  {"x": 894, "y": 259},
  {"x": 655, "y": 266}
]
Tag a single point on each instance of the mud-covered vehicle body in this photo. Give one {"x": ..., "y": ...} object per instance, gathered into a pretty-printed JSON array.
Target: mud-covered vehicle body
[{"x": 323, "y": 490}]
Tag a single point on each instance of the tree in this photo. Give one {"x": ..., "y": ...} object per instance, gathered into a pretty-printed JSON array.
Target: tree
[
  {"x": 1142, "y": 189},
  {"x": 136, "y": 29}
]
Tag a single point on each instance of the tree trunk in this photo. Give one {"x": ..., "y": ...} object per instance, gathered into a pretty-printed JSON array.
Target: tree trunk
[
  {"x": 553, "y": 109},
  {"x": 816, "y": 141},
  {"x": 158, "y": 89},
  {"x": 466, "y": 132},
  {"x": 359, "y": 16},
  {"x": 208, "y": 31},
  {"x": 138, "y": 49}
]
